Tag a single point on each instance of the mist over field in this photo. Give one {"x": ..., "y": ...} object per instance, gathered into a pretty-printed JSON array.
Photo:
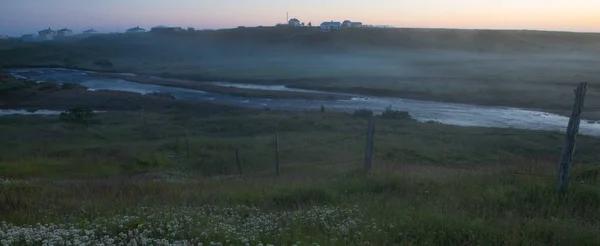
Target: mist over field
[{"x": 509, "y": 68}]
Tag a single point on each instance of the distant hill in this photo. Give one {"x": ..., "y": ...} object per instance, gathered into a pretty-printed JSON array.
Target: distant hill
[{"x": 277, "y": 53}]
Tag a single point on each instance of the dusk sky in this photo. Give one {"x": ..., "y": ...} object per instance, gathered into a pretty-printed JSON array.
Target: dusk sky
[{"x": 29, "y": 16}]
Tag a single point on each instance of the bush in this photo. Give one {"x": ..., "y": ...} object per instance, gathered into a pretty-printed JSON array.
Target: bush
[
  {"x": 71, "y": 86},
  {"x": 103, "y": 63},
  {"x": 162, "y": 94},
  {"x": 362, "y": 113},
  {"x": 77, "y": 115},
  {"x": 390, "y": 113},
  {"x": 48, "y": 86}
]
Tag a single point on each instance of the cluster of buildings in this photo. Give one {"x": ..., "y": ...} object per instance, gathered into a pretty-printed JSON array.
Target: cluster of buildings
[
  {"x": 327, "y": 26},
  {"x": 49, "y": 34},
  {"x": 335, "y": 25}
]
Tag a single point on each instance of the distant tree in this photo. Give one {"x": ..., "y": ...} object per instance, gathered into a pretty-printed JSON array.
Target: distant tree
[
  {"x": 309, "y": 24},
  {"x": 103, "y": 63},
  {"x": 302, "y": 23}
]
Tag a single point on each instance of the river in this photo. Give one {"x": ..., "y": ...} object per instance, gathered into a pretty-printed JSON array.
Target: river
[{"x": 447, "y": 113}]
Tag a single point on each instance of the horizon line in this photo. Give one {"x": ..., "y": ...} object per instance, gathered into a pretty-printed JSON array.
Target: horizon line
[{"x": 375, "y": 26}]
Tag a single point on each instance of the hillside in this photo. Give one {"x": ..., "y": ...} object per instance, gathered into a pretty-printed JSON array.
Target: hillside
[{"x": 492, "y": 67}]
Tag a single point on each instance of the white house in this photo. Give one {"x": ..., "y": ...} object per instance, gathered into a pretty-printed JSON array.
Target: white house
[
  {"x": 64, "y": 33},
  {"x": 330, "y": 26},
  {"x": 351, "y": 24},
  {"x": 294, "y": 23},
  {"x": 356, "y": 24},
  {"x": 135, "y": 30},
  {"x": 46, "y": 34}
]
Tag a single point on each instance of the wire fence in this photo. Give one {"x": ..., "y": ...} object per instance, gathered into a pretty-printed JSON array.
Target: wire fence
[{"x": 350, "y": 151}]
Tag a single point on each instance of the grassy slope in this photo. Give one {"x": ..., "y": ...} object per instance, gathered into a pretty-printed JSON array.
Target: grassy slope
[
  {"x": 513, "y": 68},
  {"x": 83, "y": 179}
]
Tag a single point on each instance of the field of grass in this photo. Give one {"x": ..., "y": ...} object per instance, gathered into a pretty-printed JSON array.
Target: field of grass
[
  {"x": 526, "y": 69},
  {"x": 170, "y": 177}
]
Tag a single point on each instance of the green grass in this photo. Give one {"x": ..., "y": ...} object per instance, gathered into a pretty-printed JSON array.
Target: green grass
[
  {"x": 125, "y": 175},
  {"x": 348, "y": 207},
  {"x": 205, "y": 146}
]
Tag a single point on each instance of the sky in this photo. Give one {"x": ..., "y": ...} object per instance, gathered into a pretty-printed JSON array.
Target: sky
[{"x": 19, "y": 17}]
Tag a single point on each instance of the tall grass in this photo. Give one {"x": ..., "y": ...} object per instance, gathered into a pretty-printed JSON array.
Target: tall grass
[{"x": 126, "y": 179}]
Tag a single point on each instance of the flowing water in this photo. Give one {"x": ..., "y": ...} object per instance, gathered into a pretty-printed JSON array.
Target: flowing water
[{"x": 447, "y": 113}]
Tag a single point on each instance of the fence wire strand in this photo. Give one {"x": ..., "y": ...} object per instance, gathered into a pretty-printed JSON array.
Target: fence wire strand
[{"x": 326, "y": 143}]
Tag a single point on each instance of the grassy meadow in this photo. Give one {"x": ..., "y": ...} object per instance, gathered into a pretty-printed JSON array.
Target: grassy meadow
[{"x": 170, "y": 177}]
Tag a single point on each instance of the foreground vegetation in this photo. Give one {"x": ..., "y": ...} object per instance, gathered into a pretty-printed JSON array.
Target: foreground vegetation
[
  {"x": 334, "y": 209},
  {"x": 170, "y": 177}
]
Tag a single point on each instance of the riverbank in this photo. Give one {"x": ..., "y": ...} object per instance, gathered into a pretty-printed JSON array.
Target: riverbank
[
  {"x": 30, "y": 95},
  {"x": 425, "y": 89},
  {"x": 228, "y": 90}
]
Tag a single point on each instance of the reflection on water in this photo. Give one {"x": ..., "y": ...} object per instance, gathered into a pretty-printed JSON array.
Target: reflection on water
[
  {"x": 33, "y": 112},
  {"x": 447, "y": 113},
  {"x": 26, "y": 112}
]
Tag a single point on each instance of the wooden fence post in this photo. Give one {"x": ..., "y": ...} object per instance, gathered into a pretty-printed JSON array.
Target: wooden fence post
[
  {"x": 237, "y": 159},
  {"x": 369, "y": 145},
  {"x": 187, "y": 146},
  {"x": 566, "y": 157},
  {"x": 277, "y": 154}
]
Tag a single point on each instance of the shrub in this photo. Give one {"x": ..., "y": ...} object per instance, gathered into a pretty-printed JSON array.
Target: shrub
[
  {"x": 390, "y": 113},
  {"x": 77, "y": 115},
  {"x": 162, "y": 94},
  {"x": 48, "y": 86},
  {"x": 103, "y": 63},
  {"x": 71, "y": 86},
  {"x": 362, "y": 113}
]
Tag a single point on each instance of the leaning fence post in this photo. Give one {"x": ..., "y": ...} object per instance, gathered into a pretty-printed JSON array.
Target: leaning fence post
[
  {"x": 277, "y": 154},
  {"x": 566, "y": 157},
  {"x": 369, "y": 145},
  {"x": 237, "y": 159}
]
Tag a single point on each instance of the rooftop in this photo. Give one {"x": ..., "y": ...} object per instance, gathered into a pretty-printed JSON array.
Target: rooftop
[{"x": 136, "y": 28}]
